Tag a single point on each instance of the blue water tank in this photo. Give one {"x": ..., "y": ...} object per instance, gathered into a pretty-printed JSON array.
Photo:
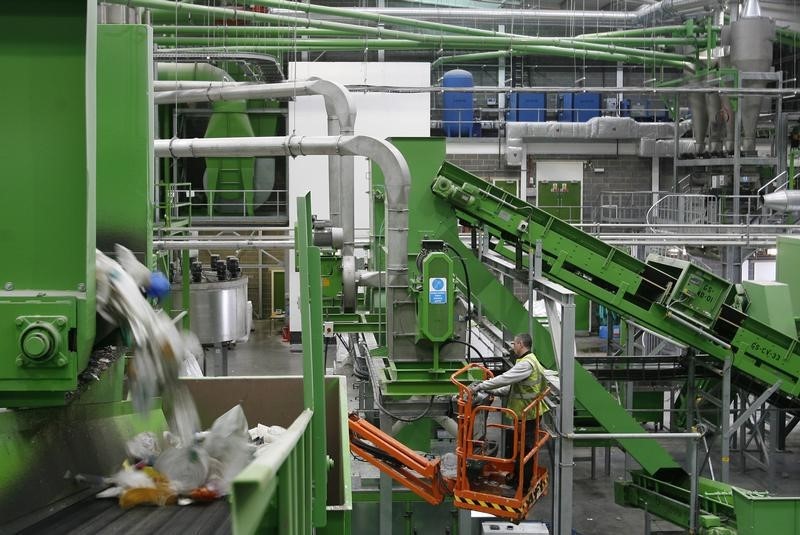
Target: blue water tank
[
  {"x": 527, "y": 107},
  {"x": 459, "y": 109},
  {"x": 587, "y": 106}
]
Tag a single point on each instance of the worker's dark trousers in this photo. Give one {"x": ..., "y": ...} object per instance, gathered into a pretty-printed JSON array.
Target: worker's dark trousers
[{"x": 530, "y": 440}]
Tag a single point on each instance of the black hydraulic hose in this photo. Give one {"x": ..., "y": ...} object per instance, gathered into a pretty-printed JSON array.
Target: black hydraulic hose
[
  {"x": 470, "y": 346},
  {"x": 469, "y": 292}
]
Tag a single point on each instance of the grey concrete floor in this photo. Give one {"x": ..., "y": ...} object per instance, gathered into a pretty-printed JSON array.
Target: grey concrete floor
[{"x": 594, "y": 510}]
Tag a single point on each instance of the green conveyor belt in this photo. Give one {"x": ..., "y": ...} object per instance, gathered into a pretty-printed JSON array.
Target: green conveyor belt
[{"x": 637, "y": 290}]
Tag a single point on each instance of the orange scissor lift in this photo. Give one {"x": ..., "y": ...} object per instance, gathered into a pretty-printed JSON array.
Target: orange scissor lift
[{"x": 481, "y": 477}]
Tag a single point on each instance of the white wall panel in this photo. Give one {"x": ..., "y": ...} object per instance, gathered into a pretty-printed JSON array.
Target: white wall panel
[{"x": 380, "y": 115}]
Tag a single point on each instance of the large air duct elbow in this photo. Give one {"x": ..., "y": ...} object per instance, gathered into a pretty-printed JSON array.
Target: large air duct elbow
[
  {"x": 341, "y": 111},
  {"x": 390, "y": 160},
  {"x": 783, "y": 201}
]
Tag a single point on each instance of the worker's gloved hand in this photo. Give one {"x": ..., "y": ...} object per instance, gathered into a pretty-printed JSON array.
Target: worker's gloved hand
[{"x": 475, "y": 387}]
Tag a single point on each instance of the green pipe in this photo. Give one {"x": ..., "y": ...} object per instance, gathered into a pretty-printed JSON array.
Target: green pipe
[
  {"x": 231, "y": 32},
  {"x": 608, "y": 53},
  {"x": 615, "y": 53},
  {"x": 504, "y": 40},
  {"x": 373, "y": 17},
  {"x": 641, "y": 41},
  {"x": 465, "y": 58},
  {"x": 244, "y": 31},
  {"x": 377, "y": 44},
  {"x": 788, "y": 37},
  {"x": 190, "y": 72},
  {"x": 299, "y": 46},
  {"x": 288, "y": 43},
  {"x": 687, "y": 29}
]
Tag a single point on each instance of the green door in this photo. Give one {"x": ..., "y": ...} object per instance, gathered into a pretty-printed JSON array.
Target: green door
[{"x": 562, "y": 199}]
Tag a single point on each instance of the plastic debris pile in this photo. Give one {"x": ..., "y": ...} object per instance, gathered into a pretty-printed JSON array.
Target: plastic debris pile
[
  {"x": 162, "y": 352},
  {"x": 201, "y": 470}
]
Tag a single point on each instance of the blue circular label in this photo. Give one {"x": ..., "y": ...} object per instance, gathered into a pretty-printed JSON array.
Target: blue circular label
[{"x": 437, "y": 284}]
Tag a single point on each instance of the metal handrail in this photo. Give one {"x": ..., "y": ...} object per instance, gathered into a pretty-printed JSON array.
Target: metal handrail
[
  {"x": 762, "y": 188},
  {"x": 682, "y": 181}
]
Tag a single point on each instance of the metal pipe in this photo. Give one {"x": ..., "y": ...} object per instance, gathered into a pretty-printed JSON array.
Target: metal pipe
[
  {"x": 698, "y": 330},
  {"x": 606, "y": 52},
  {"x": 386, "y": 156},
  {"x": 191, "y": 71},
  {"x": 174, "y": 244},
  {"x": 448, "y": 424},
  {"x": 412, "y": 41},
  {"x": 242, "y": 31},
  {"x": 343, "y": 40},
  {"x": 678, "y": 29},
  {"x": 645, "y": 15},
  {"x": 341, "y": 112},
  {"x": 732, "y": 91},
  {"x": 626, "y": 436},
  {"x": 783, "y": 201},
  {"x": 182, "y": 245},
  {"x": 179, "y": 85}
]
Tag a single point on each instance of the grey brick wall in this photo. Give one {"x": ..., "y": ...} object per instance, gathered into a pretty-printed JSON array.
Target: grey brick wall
[
  {"x": 486, "y": 166},
  {"x": 623, "y": 173}
]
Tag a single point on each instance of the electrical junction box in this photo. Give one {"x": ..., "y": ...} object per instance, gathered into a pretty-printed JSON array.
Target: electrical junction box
[
  {"x": 698, "y": 295},
  {"x": 435, "y": 302}
]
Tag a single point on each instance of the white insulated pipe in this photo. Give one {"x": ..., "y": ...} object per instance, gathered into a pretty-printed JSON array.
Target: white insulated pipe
[
  {"x": 386, "y": 156},
  {"x": 341, "y": 112}
]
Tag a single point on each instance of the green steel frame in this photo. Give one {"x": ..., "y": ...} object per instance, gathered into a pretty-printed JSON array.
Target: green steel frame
[
  {"x": 287, "y": 491},
  {"x": 608, "y": 276},
  {"x": 125, "y": 171},
  {"x": 643, "y": 293}
]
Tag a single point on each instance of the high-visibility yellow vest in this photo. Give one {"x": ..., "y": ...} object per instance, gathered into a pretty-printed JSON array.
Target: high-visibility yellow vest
[{"x": 523, "y": 392}]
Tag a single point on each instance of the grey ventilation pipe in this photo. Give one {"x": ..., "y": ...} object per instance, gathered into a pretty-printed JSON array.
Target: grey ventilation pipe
[
  {"x": 725, "y": 100},
  {"x": 697, "y": 103},
  {"x": 386, "y": 156},
  {"x": 751, "y": 51},
  {"x": 660, "y": 12},
  {"x": 783, "y": 201},
  {"x": 341, "y": 173}
]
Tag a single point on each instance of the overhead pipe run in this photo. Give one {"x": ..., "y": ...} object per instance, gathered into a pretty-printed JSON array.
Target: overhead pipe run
[
  {"x": 549, "y": 46},
  {"x": 386, "y": 156},
  {"x": 663, "y": 11}
]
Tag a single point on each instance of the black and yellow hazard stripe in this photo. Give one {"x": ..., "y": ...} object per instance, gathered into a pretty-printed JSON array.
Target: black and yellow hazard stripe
[{"x": 489, "y": 505}]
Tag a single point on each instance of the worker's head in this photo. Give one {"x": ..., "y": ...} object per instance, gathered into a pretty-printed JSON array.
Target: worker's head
[{"x": 522, "y": 344}]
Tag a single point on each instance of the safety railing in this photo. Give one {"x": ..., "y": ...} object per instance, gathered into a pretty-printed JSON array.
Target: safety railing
[
  {"x": 695, "y": 209},
  {"x": 777, "y": 180},
  {"x": 224, "y": 203},
  {"x": 275, "y": 489},
  {"x": 625, "y": 206}
]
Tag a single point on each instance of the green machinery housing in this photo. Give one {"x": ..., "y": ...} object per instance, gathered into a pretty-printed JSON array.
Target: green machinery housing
[{"x": 79, "y": 176}]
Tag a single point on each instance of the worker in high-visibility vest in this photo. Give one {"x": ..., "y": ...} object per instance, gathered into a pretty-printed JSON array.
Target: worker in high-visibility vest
[{"x": 521, "y": 384}]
